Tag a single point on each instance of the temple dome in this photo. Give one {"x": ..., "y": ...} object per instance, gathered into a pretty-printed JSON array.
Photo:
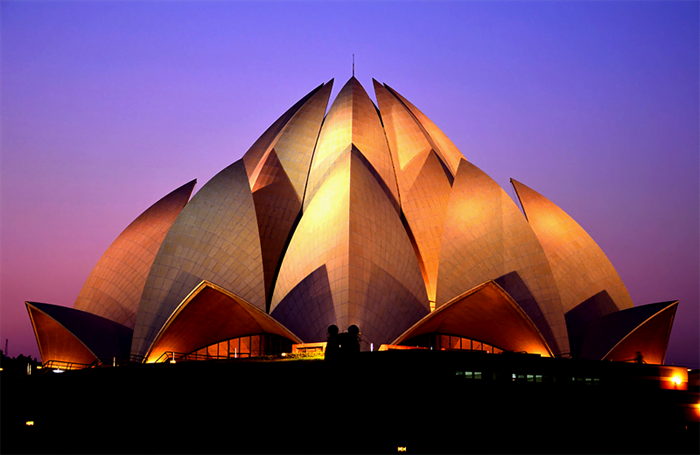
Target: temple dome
[{"x": 363, "y": 215}]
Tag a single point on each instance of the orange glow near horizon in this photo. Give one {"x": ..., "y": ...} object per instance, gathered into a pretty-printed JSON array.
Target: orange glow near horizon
[
  {"x": 673, "y": 378},
  {"x": 539, "y": 350}
]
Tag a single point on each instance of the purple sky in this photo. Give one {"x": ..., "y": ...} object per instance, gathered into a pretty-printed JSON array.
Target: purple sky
[{"x": 106, "y": 107}]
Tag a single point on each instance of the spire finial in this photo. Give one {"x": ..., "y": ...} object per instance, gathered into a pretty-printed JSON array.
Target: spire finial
[{"x": 353, "y": 65}]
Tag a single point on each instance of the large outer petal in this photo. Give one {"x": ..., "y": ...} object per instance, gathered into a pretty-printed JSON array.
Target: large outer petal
[
  {"x": 352, "y": 121},
  {"x": 439, "y": 141},
  {"x": 211, "y": 314},
  {"x": 215, "y": 238},
  {"x": 257, "y": 151},
  {"x": 486, "y": 238},
  {"x": 486, "y": 313},
  {"x": 407, "y": 139},
  {"x": 580, "y": 267},
  {"x": 295, "y": 143},
  {"x": 279, "y": 180},
  {"x": 70, "y": 335},
  {"x": 350, "y": 238},
  {"x": 56, "y": 342},
  {"x": 424, "y": 182},
  {"x": 277, "y": 208},
  {"x": 114, "y": 286},
  {"x": 619, "y": 335}
]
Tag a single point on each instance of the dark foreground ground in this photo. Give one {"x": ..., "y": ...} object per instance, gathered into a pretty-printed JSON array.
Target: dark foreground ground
[{"x": 379, "y": 403}]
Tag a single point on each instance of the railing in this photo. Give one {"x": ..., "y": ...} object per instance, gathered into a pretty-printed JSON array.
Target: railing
[
  {"x": 174, "y": 357},
  {"x": 61, "y": 365},
  {"x": 97, "y": 363},
  {"x": 168, "y": 356}
]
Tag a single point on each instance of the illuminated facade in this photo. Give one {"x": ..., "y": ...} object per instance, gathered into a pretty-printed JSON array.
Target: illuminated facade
[{"x": 365, "y": 215}]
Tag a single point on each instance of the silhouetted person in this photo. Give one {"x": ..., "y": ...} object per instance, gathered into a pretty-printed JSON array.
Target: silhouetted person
[
  {"x": 333, "y": 343},
  {"x": 639, "y": 358},
  {"x": 353, "y": 338},
  {"x": 342, "y": 345}
]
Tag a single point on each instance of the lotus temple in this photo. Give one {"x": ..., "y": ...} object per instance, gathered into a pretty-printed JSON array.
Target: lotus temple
[{"x": 363, "y": 215}]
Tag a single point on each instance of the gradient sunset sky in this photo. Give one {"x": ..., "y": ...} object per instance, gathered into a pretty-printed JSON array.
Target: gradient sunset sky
[{"x": 105, "y": 107}]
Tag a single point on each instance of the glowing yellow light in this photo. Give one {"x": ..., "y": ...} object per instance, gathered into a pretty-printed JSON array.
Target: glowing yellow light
[
  {"x": 676, "y": 380},
  {"x": 29, "y": 423},
  {"x": 38, "y": 367},
  {"x": 402, "y": 449},
  {"x": 172, "y": 361},
  {"x": 284, "y": 354}
]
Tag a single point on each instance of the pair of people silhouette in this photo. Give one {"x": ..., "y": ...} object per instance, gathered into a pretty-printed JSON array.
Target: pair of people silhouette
[{"x": 342, "y": 345}]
